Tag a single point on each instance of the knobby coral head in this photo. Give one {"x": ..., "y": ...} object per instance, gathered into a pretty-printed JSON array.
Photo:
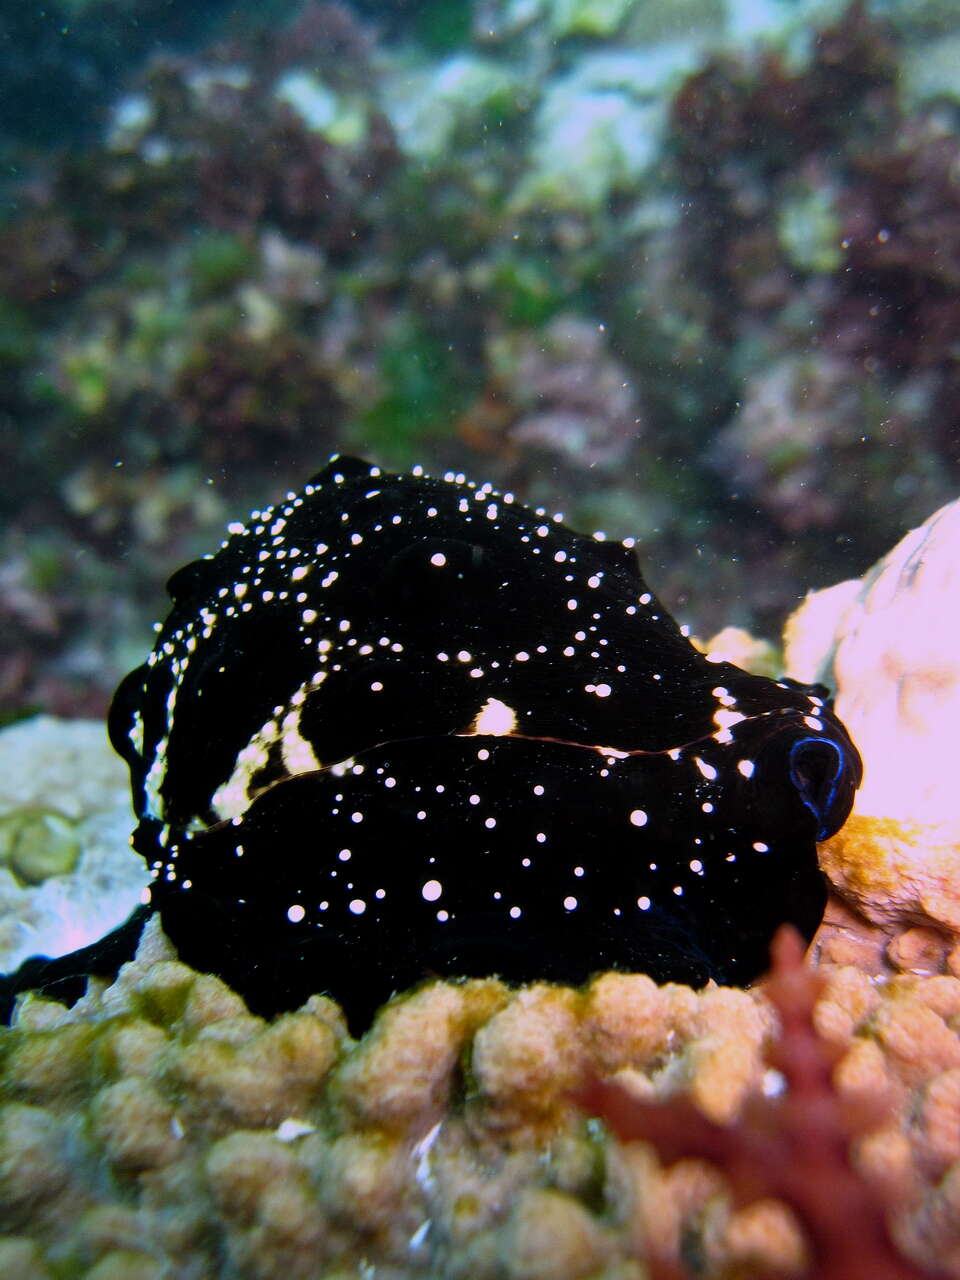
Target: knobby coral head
[{"x": 794, "y": 1147}]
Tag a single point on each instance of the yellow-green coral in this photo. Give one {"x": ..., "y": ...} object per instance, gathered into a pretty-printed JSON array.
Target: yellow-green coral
[{"x": 158, "y": 1128}]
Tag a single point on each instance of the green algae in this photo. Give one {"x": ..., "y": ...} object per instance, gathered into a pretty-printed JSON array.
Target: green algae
[
  {"x": 422, "y": 391},
  {"x": 525, "y": 290},
  {"x": 216, "y": 262}
]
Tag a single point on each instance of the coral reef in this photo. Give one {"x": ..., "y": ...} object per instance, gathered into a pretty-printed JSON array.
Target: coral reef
[
  {"x": 822, "y": 198},
  {"x": 159, "y": 1126},
  {"x": 317, "y": 234},
  {"x": 321, "y": 227}
]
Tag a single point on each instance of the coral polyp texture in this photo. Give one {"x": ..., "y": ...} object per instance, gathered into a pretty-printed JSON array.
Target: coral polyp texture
[{"x": 158, "y": 1127}]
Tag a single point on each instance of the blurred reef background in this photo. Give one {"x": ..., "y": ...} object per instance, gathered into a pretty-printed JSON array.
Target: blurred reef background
[{"x": 687, "y": 271}]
